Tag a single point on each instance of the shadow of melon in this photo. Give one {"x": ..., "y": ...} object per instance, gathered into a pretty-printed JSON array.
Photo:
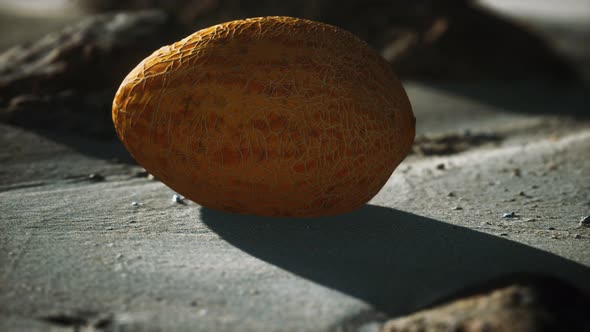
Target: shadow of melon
[{"x": 396, "y": 261}]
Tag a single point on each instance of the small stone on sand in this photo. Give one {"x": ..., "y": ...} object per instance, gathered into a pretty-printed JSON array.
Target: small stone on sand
[
  {"x": 178, "y": 199},
  {"x": 95, "y": 177},
  {"x": 509, "y": 215}
]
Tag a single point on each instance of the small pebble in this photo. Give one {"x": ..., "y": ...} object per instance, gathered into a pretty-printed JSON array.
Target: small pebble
[
  {"x": 509, "y": 215},
  {"x": 118, "y": 256},
  {"x": 530, "y": 220},
  {"x": 456, "y": 208},
  {"x": 194, "y": 303},
  {"x": 177, "y": 199},
  {"x": 577, "y": 236},
  {"x": 109, "y": 228},
  {"x": 554, "y": 236},
  {"x": 522, "y": 193},
  {"x": 534, "y": 186},
  {"x": 516, "y": 172},
  {"x": 585, "y": 221},
  {"x": 95, "y": 177},
  {"x": 136, "y": 203},
  {"x": 440, "y": 166},
  {"x": 503, "y": 234},
  {"x": 551, "y": 228},
  {"x": 142, "y": 173}
]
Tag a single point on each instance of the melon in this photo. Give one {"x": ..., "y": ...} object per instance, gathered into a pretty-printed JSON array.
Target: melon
[{"x": 270, "y": 116}]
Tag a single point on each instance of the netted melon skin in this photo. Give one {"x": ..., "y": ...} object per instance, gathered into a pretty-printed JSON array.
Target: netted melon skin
[{"x": 271, "y": 116}]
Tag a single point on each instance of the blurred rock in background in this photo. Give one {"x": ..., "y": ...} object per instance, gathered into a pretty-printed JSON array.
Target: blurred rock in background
[
  {"x": 66, "y": 80},
  {"x": 451, "y": 39}
]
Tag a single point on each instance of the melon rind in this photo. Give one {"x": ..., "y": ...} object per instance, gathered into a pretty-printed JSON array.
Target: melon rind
[{"x": 273, "y": 116}]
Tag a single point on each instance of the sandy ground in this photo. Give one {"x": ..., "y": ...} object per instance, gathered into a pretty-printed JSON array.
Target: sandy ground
[
  {"x": 75, "y": 252},
  {"x": 79, "y": 249}
]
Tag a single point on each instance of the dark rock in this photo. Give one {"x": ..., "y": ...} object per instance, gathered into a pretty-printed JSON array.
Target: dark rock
[
  {"x": 67, "y": 79},
  {"x": 460, "y": 40},
  {"x": 96, "y": 177},
  {"x": 422, "y": 39},
  {"x": 452, "y": 143},
  {"x": 509, "y": 215},
  {"x": 80, "y": 319},
  {"x": 84, "y": 112},
  {"x": 142, "y": 173},
  {"x": 532, "y": 305}
]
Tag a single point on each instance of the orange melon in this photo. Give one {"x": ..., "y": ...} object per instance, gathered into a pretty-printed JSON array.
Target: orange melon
[{"x": 273, "y": 116}]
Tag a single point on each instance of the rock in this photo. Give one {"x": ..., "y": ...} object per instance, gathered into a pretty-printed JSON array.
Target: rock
[
  {"x": 452, "y": 143},
  {"x": 80, "y": 319},
  {"x": 533, "y": 305},
  {"x": 498, "y": 49},
  {"x": 509, "y": 215},
  {"x": 67, "y": 79},
  {"x": 422, "y": 39},
  {"x": 96, "y": 177}
]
